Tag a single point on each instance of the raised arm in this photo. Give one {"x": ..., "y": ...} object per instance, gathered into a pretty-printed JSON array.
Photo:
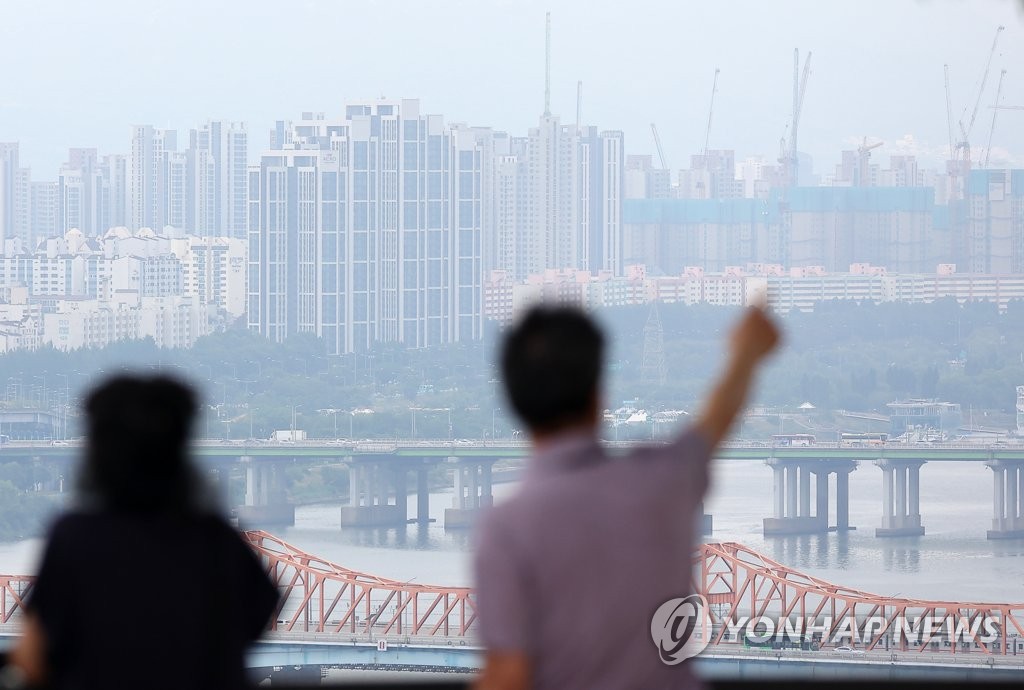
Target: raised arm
[{"x": 752, "y": 339}]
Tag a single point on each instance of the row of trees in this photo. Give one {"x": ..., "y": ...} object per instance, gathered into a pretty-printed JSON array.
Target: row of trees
[{"x": 842, "y": 355}]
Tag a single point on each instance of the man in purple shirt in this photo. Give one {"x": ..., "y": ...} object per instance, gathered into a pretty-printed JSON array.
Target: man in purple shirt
[{"x": 572, "y": 569}]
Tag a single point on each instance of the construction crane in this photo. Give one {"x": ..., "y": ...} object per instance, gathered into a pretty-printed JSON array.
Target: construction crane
[
  {"x": 789, "y": 159},
  {"x": 579, "y": 104},
  {"x": 547, "y": 65},
  {"x": 711, "y": 110},
  {"x": 965, "y": 130},
  {"x": 702, "y": 191},
  {"x": 949, "y": 116},
  {"x": 995, "y": 111},
  {"x": 863, "y": 158},
  {"x": 657, "y": 143}
]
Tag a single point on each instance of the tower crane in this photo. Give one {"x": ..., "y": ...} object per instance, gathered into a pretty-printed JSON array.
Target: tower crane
[
  {"x": 711, "y": 110},
  {"x": 702, "y": 192},
  {"x": 964, "y": 145},
  {"x": 995, "y": 111},
  {"x": 949, "y": 116},
  {"x": 863, "y": 156},
  {"x": 657, "y": 143},
  {"x": 789, "y": 159},
  {"x": 579, "y": 104}
]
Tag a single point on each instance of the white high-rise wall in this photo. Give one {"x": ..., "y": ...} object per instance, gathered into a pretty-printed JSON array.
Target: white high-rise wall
[
  {"x": 156, "y": 179},
  {"x": 558, "y": 200},
  {"x": 1020, "y": 410},
  {"x": 370, "y": 228},
  {"x": 15, "y": 195},
  {"x": 45, "y": 205},
  {"x": 221, "y": 207}
]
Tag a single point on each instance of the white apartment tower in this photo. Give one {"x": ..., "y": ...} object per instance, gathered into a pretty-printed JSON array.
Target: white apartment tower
[
  {"x": 156, "y": 179},
  {"x": 45, "y": 206},
  {"x": 224, "y": 146},
  {"x": 558, "y": 200},
  {"x": 79, "y": 195},
  {"x": 15, "y": 196},
  {"x": 369, "y": 228}
]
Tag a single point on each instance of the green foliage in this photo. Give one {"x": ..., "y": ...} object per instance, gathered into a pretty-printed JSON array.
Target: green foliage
[
  {"x": 843, "y": 355},
  {"x": 22, "y": 514},
  {"x": 317, "y": 483}
]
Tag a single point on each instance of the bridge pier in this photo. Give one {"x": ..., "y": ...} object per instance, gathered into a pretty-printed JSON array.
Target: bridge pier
[
  {"x": 422, "y": 496},
  {"x": 371, "y": 485},
  {"x": 1007, "y": 499},
  {"x": 791, "y": 499},
  {"x": 901, "y": 498},
  {"x": 706, "y": 521},
  {"x": 472, "y": 492},
  {"x": 265, "y": 502}
]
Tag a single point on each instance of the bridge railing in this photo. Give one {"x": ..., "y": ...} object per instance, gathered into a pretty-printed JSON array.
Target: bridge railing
[
  {"x": 743, "y": 585},
  {"x": 320, "y": 596}
]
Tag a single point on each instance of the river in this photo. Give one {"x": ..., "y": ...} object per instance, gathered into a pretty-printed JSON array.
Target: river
[{"x": 953, "y": 561}]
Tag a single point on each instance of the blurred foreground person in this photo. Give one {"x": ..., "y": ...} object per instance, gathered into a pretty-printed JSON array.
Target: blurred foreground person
[
  {"x": 573, "y": 571},
  {"x": 143, "y": 585}
]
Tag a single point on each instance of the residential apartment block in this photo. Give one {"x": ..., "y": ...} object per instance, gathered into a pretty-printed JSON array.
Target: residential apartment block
[
  {"x": 799, "y": 288},
  {"x": 370, "y": 228}
]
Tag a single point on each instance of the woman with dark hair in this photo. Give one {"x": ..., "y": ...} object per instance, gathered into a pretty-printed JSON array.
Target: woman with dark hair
[{"x": 143, "y": 584}]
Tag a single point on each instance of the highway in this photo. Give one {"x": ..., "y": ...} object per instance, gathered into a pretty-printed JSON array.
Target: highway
[{"x": 465, "y": 448}]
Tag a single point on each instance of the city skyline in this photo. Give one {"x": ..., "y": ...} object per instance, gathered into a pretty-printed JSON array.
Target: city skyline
[{"x": 869, "y": 78}]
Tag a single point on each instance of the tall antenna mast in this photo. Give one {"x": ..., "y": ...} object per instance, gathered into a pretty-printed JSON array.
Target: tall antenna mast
[
  {"x": 547, "y": 66},
  {"x": 579, "y": 104},
  {"x": 652, "y": 365}
]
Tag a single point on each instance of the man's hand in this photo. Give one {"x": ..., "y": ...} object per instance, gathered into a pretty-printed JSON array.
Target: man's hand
[
  {"x": 504, "y": 671},
  {"x": 752, "y": 339}
]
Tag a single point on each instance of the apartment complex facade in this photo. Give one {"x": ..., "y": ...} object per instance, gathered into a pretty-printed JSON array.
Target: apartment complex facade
[
  {"x": 370, "y": 228},
  {"x": 558, "y": 200},
  {"x": 800, "y": 289}
]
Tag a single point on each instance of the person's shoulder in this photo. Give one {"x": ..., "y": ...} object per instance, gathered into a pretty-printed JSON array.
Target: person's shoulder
[
  {"x": 73, "y": 524},
  {"x": 220, "y": 529},
  {"x": 502, "y": 520}
]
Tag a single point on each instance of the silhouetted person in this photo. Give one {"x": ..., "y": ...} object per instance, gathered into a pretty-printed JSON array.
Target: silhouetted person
[
  {"x": 571, "y": 570},
  {"x": 143, "y": 585}
]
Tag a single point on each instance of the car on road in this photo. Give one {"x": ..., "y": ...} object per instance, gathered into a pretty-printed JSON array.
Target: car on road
[{"x": 847, "y": 650}]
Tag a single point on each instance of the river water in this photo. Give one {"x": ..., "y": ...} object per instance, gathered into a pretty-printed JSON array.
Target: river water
[{"x": 952, "y": 561}]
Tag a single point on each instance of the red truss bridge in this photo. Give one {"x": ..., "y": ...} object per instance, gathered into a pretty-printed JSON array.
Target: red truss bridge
[
  {"x": 740, "y": 583},
  {"x": 747, "y": 593},
  {"x": 320, "y": 596}
]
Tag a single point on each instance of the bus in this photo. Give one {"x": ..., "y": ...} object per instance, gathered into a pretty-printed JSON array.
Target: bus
[
  {"x": 792, "y": 439},
  {"x": 863, "y": 439}
]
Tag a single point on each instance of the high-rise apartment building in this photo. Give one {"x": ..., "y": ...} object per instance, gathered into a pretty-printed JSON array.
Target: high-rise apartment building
[
  {"x": 114, "y": 191},
  {"x": 988, "y": 224},
  {"x": 644, "y": 181},
  {"x": 220, "y": 205},
  {"x": 15, "y": 195},
  {"x": 559, "y": 198},
  {"x": 156, "y": 179},
  {"x": 79, "y": 200},
  {"x": 370, "y": 228},
  {"x": 45, "y": 209}
]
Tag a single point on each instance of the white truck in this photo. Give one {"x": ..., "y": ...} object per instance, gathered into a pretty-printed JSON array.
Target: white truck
[{"x": 288, "y": 435}]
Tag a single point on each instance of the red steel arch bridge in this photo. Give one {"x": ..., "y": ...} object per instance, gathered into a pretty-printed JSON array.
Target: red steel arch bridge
[{"x": 745, "y": 591}]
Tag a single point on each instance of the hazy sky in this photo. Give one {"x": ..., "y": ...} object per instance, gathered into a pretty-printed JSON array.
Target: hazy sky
[{"x": 79, "y": 73}]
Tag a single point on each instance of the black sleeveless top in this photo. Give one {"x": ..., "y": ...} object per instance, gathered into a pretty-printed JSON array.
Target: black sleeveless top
[{"x": 155, "y": 601}]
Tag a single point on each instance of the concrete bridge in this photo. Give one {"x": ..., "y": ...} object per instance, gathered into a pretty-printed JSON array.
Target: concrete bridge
[
  {"x": 330, "y": 615},
  {"x": 379, "y": 472}
]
